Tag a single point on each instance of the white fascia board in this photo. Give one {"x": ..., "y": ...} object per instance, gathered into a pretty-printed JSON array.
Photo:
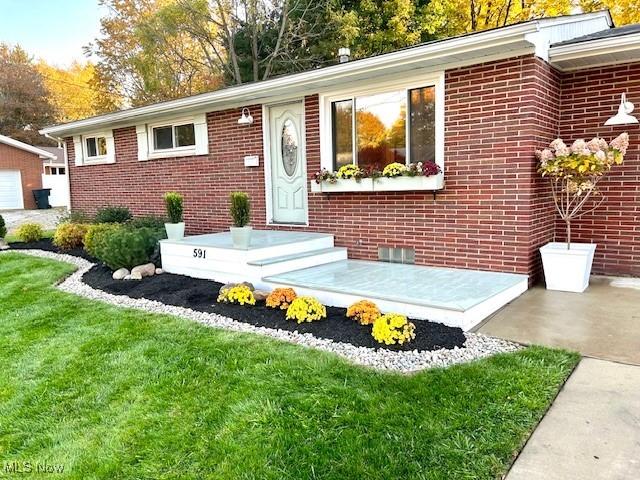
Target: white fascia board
[
  {"x": 26, "y": 147},
  {"x": 594, "y": 48},
  {"x": 245, "y": 93}
]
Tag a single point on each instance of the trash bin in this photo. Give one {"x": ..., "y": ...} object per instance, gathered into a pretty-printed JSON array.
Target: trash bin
[{"x": 41, "y": 196}]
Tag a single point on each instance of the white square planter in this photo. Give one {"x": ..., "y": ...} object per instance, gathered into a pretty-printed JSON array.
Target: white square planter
[
  {"x": 565, "y": 269},
  {"x": 401, "y": 184},
  {"x": 343, "y": 185}
]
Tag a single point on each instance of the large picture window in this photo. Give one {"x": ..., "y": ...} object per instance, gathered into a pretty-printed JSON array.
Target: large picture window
[{"x": 375, "y": 130}]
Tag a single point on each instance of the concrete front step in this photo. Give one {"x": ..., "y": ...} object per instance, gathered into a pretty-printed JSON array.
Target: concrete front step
[{"x": 271, "y": 252}]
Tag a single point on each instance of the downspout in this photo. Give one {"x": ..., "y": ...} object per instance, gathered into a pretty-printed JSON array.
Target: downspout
[{"x": 62, "y": 144}]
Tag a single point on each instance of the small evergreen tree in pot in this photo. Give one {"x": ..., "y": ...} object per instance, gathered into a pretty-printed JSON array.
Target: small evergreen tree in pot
[
  {"x": 241, "y": 215},
  {"x": 173, "y": 202}
]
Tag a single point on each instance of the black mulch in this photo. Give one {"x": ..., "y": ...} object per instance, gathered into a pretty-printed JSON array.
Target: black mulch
[
  {"x": 45, "y": 244},
  {"x": 201, "y": 295}
]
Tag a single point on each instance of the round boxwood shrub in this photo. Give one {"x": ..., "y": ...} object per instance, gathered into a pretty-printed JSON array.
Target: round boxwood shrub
[
  {"x": 3, "y": 228},
  {"x": 126, "y": 247},
  {"x": 95, "y": 234},
  {"x": 113, "y": 215},
  {"x": 148, "y": 221},
  {"x": 69, "y": 235},
  {"x": 29, "y": 232}
]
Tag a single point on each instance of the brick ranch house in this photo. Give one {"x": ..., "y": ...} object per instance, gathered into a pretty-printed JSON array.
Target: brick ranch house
[
  {"x": 478, "y": 105},
  {"x": 20, "y": 173}
]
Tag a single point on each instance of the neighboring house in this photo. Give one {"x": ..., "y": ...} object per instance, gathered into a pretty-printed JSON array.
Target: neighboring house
[
  {"x": 20, "y": 173},
  {"x": 55, "y": 177},
  {"x": 479, "y": 105}
]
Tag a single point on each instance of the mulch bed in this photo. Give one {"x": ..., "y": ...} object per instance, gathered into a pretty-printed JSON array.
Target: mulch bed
[
  {"x": 48, "y": 246},
  {"x": 200, "y": 295}
]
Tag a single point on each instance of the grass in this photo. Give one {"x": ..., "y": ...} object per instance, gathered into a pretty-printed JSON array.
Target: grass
[{"x": 118, "y": 393}]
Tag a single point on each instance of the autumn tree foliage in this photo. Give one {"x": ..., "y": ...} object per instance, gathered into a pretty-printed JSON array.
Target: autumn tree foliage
[
  {"x": 73, "y": 91},
  {"x": 24, "y": 103}
]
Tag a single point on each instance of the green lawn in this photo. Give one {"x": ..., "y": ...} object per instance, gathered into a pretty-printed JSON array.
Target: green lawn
[{"x": 116, "y": 393}]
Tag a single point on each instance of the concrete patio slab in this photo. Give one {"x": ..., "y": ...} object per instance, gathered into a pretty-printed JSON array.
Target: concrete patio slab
[
  {"x": 592, "y": 430},
  {"x": 603, "y": 322},
  {"x": 46, "y": 218}
]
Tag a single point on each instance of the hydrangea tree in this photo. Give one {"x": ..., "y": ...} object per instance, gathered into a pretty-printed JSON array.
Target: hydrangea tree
[{"x": 575, "y": 171}]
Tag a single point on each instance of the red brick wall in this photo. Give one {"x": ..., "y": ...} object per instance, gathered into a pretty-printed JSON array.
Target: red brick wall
[
  {"x": 589, "y": 98},
  {"x": 30, "y": 166},
  {"x": 490, "y": 216},
  {"x": 204, "y": 180}
]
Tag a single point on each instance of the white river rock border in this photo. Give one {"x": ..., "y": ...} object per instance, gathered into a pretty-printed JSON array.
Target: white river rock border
[{"x": 477, "y": 346}]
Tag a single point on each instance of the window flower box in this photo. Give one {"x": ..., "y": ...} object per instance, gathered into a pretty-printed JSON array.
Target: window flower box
[
  {"x": 343, "y": 185},
  {"x": 404, "y": 183},
  {"x": 382, "y": 184}
]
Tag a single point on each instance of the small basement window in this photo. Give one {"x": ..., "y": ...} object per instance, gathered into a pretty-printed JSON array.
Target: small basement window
[{"x": 173, "y": 137}]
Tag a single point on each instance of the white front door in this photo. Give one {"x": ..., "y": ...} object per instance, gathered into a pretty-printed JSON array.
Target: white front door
[{"x": 288, "y": 164}]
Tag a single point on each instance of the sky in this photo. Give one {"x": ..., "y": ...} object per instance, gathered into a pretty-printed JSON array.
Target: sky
[{"x": 55, "y": 30}]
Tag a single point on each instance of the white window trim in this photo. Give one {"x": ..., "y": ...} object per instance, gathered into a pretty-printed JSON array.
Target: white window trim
[
  {"x": 431, "y": 80},
  {"x": 144, "y": 133},
  {"x": 80, "y": 149}
]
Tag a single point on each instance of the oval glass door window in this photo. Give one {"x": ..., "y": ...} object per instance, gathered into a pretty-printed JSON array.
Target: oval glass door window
[{"x": 289, "y": 147}]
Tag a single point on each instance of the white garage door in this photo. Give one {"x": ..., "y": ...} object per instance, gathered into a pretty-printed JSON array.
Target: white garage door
[{"x": 10, "y": 189}]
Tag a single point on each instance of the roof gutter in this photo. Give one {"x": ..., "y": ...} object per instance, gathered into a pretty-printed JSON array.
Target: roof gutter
[
  {"x": 467, "y": 43},
  {"x": 591, "y": 48}
]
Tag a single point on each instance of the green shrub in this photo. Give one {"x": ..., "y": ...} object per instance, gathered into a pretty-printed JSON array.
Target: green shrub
[
  {"x": 75, "y": 216},
  {"x": 95, "y": 234},
  {"x": 127, "y": 247},
  {"x": 113, "y": 215},
  {"x": 173, "y": 202},
  {"x": 149, "y": 221},
  {"x": 69, "y": 235},
  {"x": 240, "y": 209},
  {"x": 3, "y": 228},
  {"x": 29, "y": 232}
]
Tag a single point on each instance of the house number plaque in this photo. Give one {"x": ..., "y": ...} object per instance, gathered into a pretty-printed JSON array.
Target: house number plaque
[{"x": 199, "y": 253}]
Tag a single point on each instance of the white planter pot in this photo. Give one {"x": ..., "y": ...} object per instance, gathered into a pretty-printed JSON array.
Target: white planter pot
[
  {"x": 241, "y": 237},
  {"x": 401, "y": 184},
  {"x": 565, "y": 269},
  {"x": 343, "y": 185},
  {"x": 175, "y": 231}
]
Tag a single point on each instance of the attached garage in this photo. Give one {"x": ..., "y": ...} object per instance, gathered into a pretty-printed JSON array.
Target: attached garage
[
  {"x": 20, "y": 173},
  {"x": 11, "y": 190}
]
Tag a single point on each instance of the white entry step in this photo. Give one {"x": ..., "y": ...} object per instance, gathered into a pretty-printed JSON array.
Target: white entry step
[
  {"x": 214, "y": 257},
  {"x": 453, "y": 296}
]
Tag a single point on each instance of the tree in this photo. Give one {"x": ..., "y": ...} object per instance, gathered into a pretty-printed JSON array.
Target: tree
[
  {"x": 141, "y": 60},
  {"x": 72, "y": 91},
  {"x": 624, "y": 12},
  {"x": 153, "y": 50},
  {"x": 24, "y": 107},
  {"x": 376, "y": 26}
]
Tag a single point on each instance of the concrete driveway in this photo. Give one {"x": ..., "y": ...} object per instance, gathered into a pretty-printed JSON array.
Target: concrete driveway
[
  {"x": 47, "y": 218},
  {"x": 603, "y": 322},
  {"x": 592, "y": 430}
]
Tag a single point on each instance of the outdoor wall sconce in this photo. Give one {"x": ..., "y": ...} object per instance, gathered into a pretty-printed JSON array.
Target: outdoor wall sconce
[
  {"x": 246, "y": 118},
  {"x": 623, "y": 117}
]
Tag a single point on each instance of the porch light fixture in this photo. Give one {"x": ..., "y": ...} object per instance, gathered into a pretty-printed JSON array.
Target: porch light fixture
[
  {"x": 623, "y": 117},
  {"x": 246, "y": 118}
]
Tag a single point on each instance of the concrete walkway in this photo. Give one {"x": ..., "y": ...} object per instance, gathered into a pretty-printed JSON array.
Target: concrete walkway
[
  {"x": 592, "y": 431},
  {"x": 603, "y": 322}
]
